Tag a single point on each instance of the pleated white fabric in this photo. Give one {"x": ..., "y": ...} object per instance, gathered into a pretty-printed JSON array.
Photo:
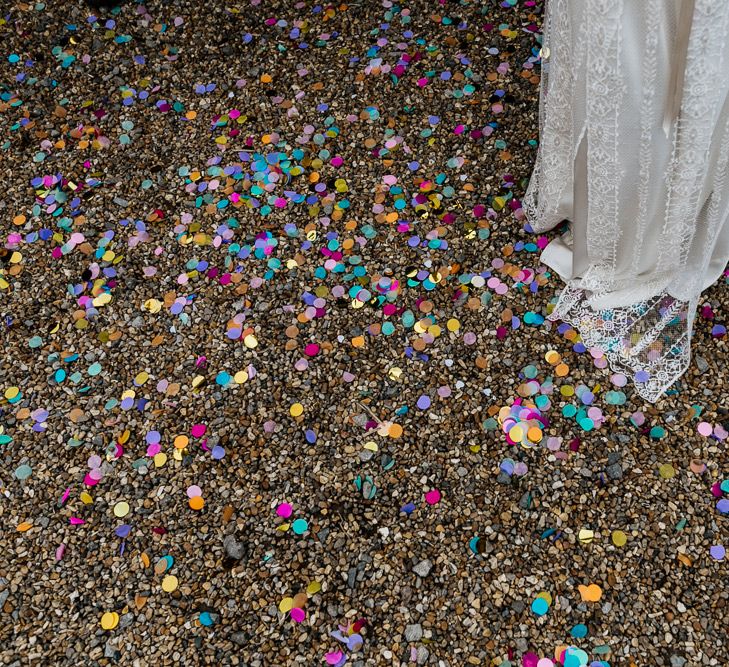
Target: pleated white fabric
[{"x": 633, "y": 151}]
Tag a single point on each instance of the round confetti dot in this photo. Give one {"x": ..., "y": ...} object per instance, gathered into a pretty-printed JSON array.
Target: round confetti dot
[
  {"x": 109, "y": 620},
  {"x": 619, "y": 538},
  {"x": 540, "y": 606},
  {"x": 300, "y": 526},
  {"x": 666, "y": 471},
  {"x": 284, "y": 510},
  {"x": 193, "y": 491},
  {"x": 432, "y": 497},
  {"x": 169, "y": 583},
  {"x": 286, "y": 605},
  {"x": 718, "y": 552},
  {"x": 424, "y": 402},
  {"x": 198, "y": 431},
  {"x": 121, "y": 509},
  {"x": 296, "y": 410},
  {"x": 196, "y": 503},
  {"x": 705, "y": 429},
  {"x": 395, "y": 431},
  {"x": 298, "y": 614}
]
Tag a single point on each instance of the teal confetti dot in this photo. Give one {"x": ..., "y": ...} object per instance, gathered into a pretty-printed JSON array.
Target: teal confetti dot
[
  {"x": 657, "y": 432},
  {"x": 300, "y": 526},
  {"x": 94, "y": 369},
  {"x": 540, "y": 606},
  {"x": 579, "y": 631}
]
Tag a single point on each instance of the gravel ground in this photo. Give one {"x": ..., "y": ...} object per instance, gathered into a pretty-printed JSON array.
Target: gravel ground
[{"x": 269, "y": 308}]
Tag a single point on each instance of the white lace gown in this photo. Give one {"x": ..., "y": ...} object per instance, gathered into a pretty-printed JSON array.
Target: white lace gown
[{"x": 633, "y": 150}]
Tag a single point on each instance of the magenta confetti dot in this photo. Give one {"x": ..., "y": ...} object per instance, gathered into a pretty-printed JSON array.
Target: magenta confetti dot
[
  {"x": 298, "y": 615},
  {"x": 284, "y": 510},
  {"x": 432, "y": 497},
  {"x": 198, "y": 431}
]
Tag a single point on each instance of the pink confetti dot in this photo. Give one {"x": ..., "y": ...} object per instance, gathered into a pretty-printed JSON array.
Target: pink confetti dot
[
  {"x": 198, "y": 431},
  {"x": 193, "y": 491},
  {"x": 432, "y": 497},
  {"x": 704, "y": 428}
]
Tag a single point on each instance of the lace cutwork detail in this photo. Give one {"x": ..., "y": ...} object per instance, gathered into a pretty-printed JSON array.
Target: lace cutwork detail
[{"x": 648, "y": 341}]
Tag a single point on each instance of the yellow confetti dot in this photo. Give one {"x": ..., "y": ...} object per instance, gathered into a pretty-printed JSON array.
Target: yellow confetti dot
[
  {"x": 546, "y": 596},
  {"x": 516, "y": 433},
  {"x": 109, "y": 620},
  {"x": 552, "y": 357},
  {"x": 666, "y": 471},
  {"x": 141, "y": 377},
  {"x": 286, "y": 605},
  {"x": 619, "y": 538},
  {"x": 586, "y": 536},
  {"x": 160, "y": 458},
  {"x": 453, "y": 324},
  {"x": 11, "y": 393},
  {"x": 296, "y": 409},
  {"x": 169, "y": 583},
  {"x": 567, "y": 390},
  {"x": 102, "y": 299},
  {"x": 313, "y": 588},
  {"x": 86, "y": 499},
  {"x": 152, "y": 305},
  {"x": 121, "y": 509},
  {"x": 250, "y": 341},
  {"x": 240, "y": 377},
  {"x": 394, "y": 373}
]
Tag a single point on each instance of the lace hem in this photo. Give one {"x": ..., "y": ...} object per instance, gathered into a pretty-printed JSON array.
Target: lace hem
[{"x": 648, "y": 341}]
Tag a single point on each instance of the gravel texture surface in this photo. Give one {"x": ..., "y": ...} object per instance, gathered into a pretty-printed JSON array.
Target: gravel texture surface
[{"x": 277, "y": 386}]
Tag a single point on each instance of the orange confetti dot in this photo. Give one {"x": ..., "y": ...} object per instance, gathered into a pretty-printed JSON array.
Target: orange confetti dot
[
  {"x": 358, "y": 341},
  {"x": 196, "y": 503},
  {"x": 591, "y": 593},
  {"x": 19, "y": 219},
  {"x": 561, "y": 370},
  {"x": 395, "y": 431},
  {"x": 266, "y": 78},
  {"x": 26, "y": 525}
]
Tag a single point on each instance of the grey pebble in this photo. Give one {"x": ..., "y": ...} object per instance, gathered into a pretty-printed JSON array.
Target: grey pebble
[
  {"x": 414, "y": 632},
  {"x": 423, "y": 568}
]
